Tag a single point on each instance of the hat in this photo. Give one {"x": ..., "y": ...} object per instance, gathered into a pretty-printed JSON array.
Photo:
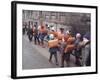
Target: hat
[
  {"x": 51, "y": 36},
  {"x": 78, "y": 35},
  {"x": 61, "y": 28},
  {"x": 68, "y": 32},
  {"x": 53, "y": 28}
]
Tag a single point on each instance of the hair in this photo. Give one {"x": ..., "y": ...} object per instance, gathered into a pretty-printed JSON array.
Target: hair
[{"x": 78, "y": 35}]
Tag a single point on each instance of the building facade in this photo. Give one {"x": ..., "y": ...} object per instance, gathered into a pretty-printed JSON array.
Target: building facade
[{"x": 76, "y": 22}]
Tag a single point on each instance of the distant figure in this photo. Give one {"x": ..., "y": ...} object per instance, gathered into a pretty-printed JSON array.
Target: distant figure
[
  {"x": 30, "y": 34},
  {"x": 86, "y": 56},
  {"x": 23, "y": 30},
  {"x": 36, "y": 35},
  {"x": 78, "y": 49}
]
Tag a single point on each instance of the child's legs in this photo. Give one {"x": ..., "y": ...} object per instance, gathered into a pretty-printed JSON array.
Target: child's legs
[
  {"x": 55, "y": 55},
  {"x": 50, "y": 56},
  {"x": 37, "y": 39}
]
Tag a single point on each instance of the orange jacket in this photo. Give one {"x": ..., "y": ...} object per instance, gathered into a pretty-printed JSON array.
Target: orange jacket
[
  {"x": 70, "y": 45},
  {"x": 60, "y": 35},
  {"x": 66, "y": 37},
  {"x": 42, "y": 30}
]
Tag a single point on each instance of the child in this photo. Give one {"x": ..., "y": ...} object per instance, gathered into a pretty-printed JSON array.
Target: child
[{"x": 53, "y": 49}]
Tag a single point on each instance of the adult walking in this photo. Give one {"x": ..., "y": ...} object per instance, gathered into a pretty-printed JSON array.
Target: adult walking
[
  {"x": 86, "y": 55},
  {"x": 42, "y": 34},
  {"x": 30, "y": 34},
  {"x": 67, "y": 49},
  {"x": 78, "y": 49},
  {"x": 36, "y": 35}
]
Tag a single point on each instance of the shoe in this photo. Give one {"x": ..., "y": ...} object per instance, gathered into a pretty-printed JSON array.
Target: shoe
[
  {"x": 57, "y": 64},
  {"x": 62, "y": 66},
  {"x": 50, "y": 61},
  {"x": 43, "y": 46}
]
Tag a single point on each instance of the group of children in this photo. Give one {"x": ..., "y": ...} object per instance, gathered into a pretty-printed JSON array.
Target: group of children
[{"x": 63, "y": 42}]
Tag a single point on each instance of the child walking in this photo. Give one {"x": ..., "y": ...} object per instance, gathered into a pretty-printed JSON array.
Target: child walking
[{"x": 53, "y": 48}]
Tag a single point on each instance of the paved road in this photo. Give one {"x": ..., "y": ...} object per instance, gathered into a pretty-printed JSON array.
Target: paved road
[{"x": 36, "y": 57}]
